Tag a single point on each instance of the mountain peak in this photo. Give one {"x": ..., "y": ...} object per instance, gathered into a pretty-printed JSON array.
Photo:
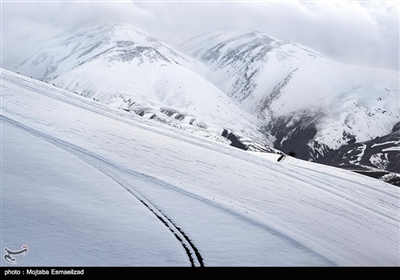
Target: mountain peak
[{"x": 118, "y": 65}]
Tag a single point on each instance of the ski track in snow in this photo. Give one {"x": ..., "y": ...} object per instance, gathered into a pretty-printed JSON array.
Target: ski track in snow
[{"x": 192, "y": 252}]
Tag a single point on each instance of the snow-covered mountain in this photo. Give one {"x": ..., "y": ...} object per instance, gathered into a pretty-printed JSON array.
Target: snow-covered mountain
[
  {"x": 250, "y": 90},
  {"x": 126, "y": 68},
  {"x": 311, "y": 104},
  {"x": 85, "y": 184}
]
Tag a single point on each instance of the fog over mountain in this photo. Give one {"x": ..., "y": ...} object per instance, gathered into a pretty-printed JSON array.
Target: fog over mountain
[{"x": 355, "y": 32}]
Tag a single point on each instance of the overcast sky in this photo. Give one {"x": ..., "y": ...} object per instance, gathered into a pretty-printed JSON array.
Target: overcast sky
[{"x": 359, "y": 32}]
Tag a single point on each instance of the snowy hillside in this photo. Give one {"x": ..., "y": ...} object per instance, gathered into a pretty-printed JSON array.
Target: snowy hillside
[
  {"x": 118, "y": 65},
  {"x": 310, "y": 103},
  {"x": 93, "y": 185}
]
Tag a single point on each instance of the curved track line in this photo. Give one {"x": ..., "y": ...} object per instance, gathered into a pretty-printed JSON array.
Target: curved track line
[
  {"x": 151, "y": 179},
  {"x": 193, "y": 253}
]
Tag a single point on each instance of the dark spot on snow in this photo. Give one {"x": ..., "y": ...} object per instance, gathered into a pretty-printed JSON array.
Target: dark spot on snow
[
  {"x": 168, "y": 112},
  {"x": 235, "y": 142},
  {"x": 140, "y": 113},
  {"x": 179, "y": 117}
]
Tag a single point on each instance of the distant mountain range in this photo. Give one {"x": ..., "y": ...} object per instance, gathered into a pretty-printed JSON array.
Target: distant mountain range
[
  {"x": 250, "y": 90},
  {"x": 315, "y": 108}
]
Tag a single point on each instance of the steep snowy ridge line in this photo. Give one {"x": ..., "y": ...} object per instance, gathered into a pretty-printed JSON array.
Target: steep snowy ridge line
[
  {"x": 114, "y": 113},
  {"x": 103, "y": 110},
  {"x": 191, "y": 250}
]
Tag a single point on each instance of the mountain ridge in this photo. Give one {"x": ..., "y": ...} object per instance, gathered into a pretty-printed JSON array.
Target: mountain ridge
[
  {"x": 311, "y": 104},
  {"x": 250, "y": 90}
]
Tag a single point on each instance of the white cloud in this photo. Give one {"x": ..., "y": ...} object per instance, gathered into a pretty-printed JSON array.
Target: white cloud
[{"x": 355, "y": 32}]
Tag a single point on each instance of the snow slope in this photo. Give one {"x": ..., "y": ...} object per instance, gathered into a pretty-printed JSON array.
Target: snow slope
[
  {"x": 69, "y": 213},
  {"x": 86, "y": 184}
]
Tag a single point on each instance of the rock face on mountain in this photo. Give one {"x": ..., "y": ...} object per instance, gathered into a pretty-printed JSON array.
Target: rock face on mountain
[
  {"x": 379, "y": 157},
  {"x": 380, "y": 153},
  {"x": 314, "y": 107}
]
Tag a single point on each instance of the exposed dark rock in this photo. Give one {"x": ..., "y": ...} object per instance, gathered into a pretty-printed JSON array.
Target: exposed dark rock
[
  {"x": 292, "y": 154},
  {"x": 235, "y": 142},
  {"x": 376, "y": 158},
  {"x": 379, "y": 153},
  {"x": 293, "y": 134}
]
